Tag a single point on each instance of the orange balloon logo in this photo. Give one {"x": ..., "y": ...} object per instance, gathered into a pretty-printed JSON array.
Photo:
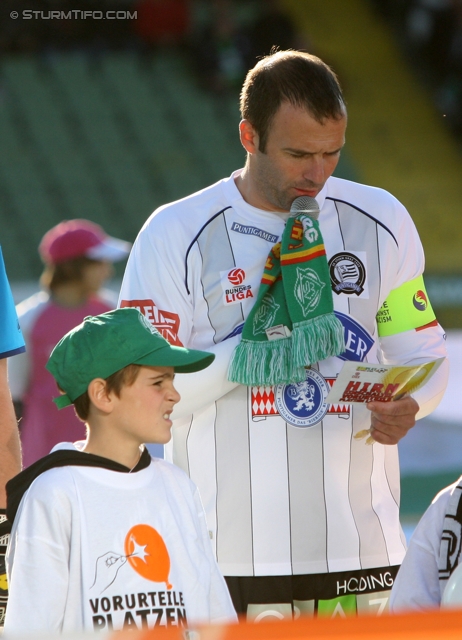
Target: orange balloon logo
[{"x": 147, "y": 554}]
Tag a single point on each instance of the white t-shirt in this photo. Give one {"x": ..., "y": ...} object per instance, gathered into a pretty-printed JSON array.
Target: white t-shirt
[
  {"x": 286, "y": 486},
  {"x": 95, "y": 549}
]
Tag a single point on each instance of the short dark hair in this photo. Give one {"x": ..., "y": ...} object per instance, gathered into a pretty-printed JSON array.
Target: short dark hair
[
  {"x": 294, "y": 76},
  {"x": 123, "y": 378}
]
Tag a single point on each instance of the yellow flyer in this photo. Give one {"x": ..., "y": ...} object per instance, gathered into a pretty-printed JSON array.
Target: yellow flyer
[{"x": 364, "y": 382}]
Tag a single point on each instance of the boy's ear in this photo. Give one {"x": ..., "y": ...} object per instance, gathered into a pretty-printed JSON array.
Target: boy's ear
[{"x": 99, "y": 396}]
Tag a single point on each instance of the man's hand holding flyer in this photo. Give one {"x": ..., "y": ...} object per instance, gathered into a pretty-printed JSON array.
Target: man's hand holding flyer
[{"x": 365, "y": 382}]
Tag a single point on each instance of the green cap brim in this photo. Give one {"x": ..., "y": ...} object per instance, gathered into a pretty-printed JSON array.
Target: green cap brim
[{"x": 181, "y": 359}]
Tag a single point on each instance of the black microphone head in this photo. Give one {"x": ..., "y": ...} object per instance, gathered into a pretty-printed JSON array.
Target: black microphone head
[{"x": 305, "y": 204}]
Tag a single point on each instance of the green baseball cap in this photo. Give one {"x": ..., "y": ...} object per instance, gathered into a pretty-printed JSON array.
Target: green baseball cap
[{"x": 104, "y": 344}]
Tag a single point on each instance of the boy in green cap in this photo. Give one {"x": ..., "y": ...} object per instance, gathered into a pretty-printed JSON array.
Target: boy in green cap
[{"x": 107, "y": 537}]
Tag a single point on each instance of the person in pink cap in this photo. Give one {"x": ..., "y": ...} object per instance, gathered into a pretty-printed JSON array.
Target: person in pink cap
[{"x": 78, "y": 256}]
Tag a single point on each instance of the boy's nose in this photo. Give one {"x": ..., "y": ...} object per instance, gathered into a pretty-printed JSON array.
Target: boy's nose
[{"x": 174, "y": 395}]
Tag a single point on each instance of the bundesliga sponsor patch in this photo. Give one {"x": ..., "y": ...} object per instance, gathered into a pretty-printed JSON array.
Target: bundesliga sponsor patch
[
  {"x": 301, "y": 404},
  {"x": 235, "y": 287},
  {"x": 166, "y": 322},
  {"x": 348, "y": 273},
  {"x": 254, "y": 231}
]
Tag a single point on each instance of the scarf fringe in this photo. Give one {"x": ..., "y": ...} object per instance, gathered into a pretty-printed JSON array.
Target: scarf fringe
[
  {"x": 317, "y": 339},
  {"x": 264, "y": 363}
]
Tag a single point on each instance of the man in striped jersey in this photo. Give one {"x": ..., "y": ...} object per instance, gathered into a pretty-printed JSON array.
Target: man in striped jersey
[{"x": 302, "y": 513}]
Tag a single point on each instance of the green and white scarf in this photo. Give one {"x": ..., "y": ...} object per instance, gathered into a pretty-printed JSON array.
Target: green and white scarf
[{"x": 292, "y": 324}]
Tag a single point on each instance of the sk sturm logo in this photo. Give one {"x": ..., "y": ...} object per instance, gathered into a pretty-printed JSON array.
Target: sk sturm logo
[
  {"x": 265, "y": 315},
  {"x": 303, "y": 404},
  {"x": 420, "y": 301},
  {"x": 347, "y": 273},
  {"x": 236, "y": 276},
  {"x": 308, "y": 289}
]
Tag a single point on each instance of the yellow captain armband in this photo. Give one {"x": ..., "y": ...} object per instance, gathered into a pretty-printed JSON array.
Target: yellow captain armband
[{"x": 407, "y": 307}]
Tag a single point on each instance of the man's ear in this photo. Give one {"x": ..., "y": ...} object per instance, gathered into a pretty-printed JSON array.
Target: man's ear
[
  {"x": 249, "y": 137},
  {"x": 99, "y": 397}
]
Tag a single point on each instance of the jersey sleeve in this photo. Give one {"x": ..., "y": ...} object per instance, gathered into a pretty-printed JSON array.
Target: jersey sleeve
[
  {"x": 38, "y": 562},
  {"x": 416, "y": 346},
  {"x": 155, "y": 283},
  {"x": 407, "y": 327},
  {"x": 409, "y": 263},
  {"x": 11, "y": 338},
  {"x": 406, "y": 307},
  {"x": 18, "y": 375}
]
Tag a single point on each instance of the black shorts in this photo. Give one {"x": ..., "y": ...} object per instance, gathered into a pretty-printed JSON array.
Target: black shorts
[{"x": 365, "y": 591}]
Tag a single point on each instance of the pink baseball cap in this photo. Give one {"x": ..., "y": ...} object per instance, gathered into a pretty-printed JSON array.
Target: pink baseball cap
[{"x": 74, "y": 238}]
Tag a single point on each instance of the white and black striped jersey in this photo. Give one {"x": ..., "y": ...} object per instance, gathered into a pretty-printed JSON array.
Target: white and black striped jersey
[{"x": 286, "y": 486}]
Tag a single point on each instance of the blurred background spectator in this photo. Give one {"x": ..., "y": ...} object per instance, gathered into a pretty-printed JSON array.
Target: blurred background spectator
[{"x": 78, "y": 257}]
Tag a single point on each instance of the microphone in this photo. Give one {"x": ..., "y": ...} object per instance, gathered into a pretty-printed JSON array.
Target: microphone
[{"x": 305, "y": 204}]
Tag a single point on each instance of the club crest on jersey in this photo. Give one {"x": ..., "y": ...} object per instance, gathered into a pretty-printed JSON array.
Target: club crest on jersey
[
  {"x": 347, "y": 273},
  {"x": 234, "y": 286},
  {"x": 264, "y": 403},
  {"x": 303, "y": 404},
  {"x": 308, "y": 289}
]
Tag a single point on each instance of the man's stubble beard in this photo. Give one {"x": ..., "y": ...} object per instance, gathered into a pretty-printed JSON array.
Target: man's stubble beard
[{"x": 270, "y": 190}]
